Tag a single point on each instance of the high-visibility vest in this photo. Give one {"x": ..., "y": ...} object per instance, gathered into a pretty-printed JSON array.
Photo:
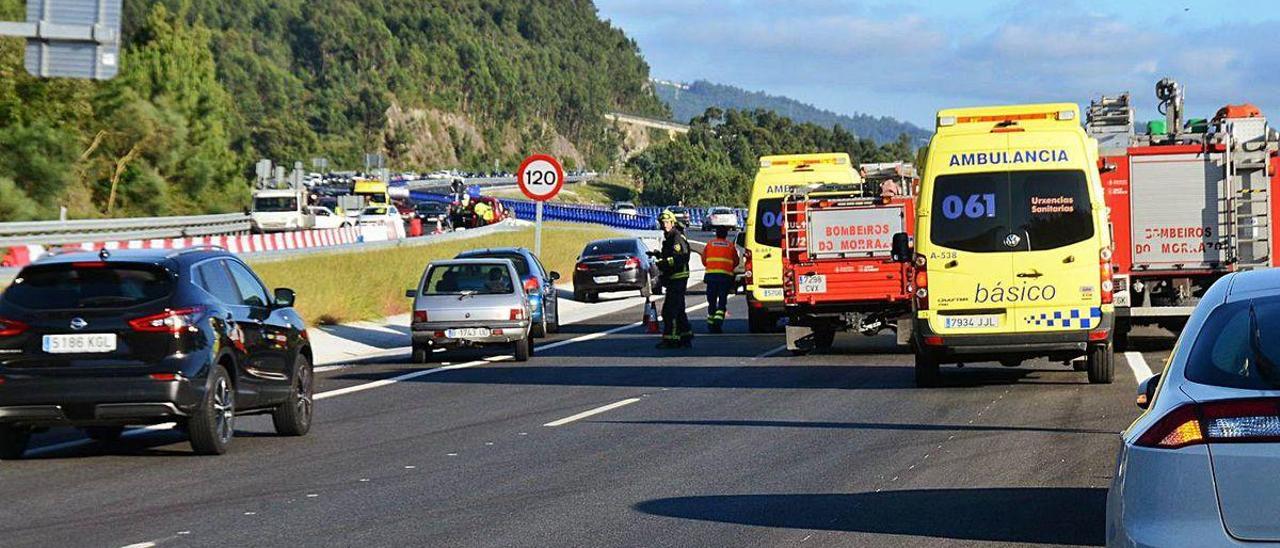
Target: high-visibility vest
[{"x": 720, "y": 257}]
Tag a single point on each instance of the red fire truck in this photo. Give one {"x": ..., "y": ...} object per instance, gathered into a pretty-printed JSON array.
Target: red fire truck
[
  {"x": 838, "y": 270},
  {"x": 1190, "y": 201}
]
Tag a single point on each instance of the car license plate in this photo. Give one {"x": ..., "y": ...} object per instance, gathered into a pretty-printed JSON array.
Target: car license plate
[
  {"x": 816, "y": 283},
  {"x": 771, "y": 293},
  {"x": 606, "y": 279},
  {"x": 467, "y": 333},
  {"x": 94, "y": 343},
  {"x": 966, "y": 322}
]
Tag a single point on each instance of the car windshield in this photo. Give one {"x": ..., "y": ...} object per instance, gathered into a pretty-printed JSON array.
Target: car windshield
[
  {"x": 1233, "y": 348},
  {"x": 977, "y": 211},
  {"x": 274, "y": 205},
  {"x": 522, "y": 266},
  {"x": 609, "y": 247},
  {"x": 88, "y": 285},
  {"x": 476, "y": 279}
]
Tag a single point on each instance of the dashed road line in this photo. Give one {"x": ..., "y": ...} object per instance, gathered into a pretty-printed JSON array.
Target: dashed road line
[{"x": 592, "y": 412}]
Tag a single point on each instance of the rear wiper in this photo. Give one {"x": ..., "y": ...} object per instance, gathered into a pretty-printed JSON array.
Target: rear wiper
[{"x": 466, "y": 294}]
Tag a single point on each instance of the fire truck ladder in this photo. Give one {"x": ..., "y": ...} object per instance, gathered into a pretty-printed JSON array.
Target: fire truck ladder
[{"x": 1248, "y": 206}]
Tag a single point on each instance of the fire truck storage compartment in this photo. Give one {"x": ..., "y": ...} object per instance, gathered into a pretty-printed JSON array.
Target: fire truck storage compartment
[
  {"x": 1174, "y": 208},
  {"x": 853, "y": 232}
]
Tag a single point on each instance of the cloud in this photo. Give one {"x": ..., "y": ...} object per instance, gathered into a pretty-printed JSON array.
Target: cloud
[{"x": 886, "y": 60}]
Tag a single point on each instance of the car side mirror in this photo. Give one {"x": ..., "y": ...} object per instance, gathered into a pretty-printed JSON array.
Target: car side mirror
[
  {"x": 284, "y": 297},
  {"x": 411, "y": 293},
  {"x": 901, "y": 247},
  {"x": 1147, "y": 391},
  {"x": 555, "y": 275}
]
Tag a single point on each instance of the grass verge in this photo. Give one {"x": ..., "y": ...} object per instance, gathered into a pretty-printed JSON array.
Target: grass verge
[{"x": 342, "y": 287}]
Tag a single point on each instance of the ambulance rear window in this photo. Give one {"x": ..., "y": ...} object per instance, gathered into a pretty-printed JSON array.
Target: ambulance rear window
[
  {"x": 769, "y": 222},
  {"x": 1011, "y": 211}
]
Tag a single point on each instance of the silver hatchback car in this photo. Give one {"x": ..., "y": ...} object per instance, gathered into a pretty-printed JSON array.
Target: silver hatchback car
[
  {"x": 470, "y": 303},
  {"x": 1201, "y": 467}
]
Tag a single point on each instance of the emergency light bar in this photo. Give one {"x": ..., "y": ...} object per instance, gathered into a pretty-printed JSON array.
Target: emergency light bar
[{"x": 1060, "y": 115}]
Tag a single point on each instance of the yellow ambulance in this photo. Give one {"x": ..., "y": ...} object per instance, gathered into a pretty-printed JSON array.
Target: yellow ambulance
[
  {"x": 1013, "y": 249},
  {"x": 778, "y": 175}
]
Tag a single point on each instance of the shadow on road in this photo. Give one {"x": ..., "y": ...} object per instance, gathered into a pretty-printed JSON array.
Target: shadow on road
[
  {"x": 867, "y": 426},
  {"x": 1065, "y": 515},
  {"x": 860, "y": 377}
]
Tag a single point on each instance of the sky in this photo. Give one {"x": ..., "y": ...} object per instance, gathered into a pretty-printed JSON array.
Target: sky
[{"x": 907, "y": 59}]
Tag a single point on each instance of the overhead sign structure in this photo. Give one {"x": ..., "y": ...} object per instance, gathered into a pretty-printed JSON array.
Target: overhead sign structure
[
  {"x": 70, "y": 38},
  {"x": 540, "y": 177}
]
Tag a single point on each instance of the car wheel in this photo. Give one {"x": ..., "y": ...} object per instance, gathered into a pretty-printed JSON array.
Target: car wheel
[
  {"x": 422, "y": 354},
  {"x": 1101, "y": 364},
  {"x": 553, "y": 326},
  {"x": 13, "y": 441},
  {"x": 580, "y": 295},
  {"x": 522, "y": 349},
  {"x": 104, "y": 433},
  {"x": 213, "y": 423},
  {"x": 539, "y": 330},
  {"x": 293, "y": 417},
  {"x": 593, "y": 297},
  {"x": 928, "y": 371}
]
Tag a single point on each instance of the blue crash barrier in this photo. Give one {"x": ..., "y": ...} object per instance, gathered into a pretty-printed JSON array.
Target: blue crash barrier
[{"x": 525, "y": 210}]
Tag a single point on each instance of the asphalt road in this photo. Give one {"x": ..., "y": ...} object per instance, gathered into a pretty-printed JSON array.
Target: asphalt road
[{"x": 731, "y": 443}]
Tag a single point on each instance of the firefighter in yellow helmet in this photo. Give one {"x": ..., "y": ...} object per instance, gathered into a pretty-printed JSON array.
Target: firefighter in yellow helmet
[{"x": 673, "y": 265}]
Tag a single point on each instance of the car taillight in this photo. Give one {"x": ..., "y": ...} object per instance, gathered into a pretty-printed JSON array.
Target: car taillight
[
  {"x": 1104, "y": 274},
  {"x": 1228, "y": 421},
  {"x": 631, "y": 263},
  {"x": 420, "y": 316},
  {"x": 169, "y": 321},
  {"x": 920, "y": 282},
  {"x": 531, "y": 285},
  {"x": 11, "y": 328},
  {"x": 582, "y": 267},
  {"x": 517, "y": 314}
]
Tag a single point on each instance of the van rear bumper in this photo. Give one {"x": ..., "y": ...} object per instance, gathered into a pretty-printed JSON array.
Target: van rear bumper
[{"x": 997, "y": 346}]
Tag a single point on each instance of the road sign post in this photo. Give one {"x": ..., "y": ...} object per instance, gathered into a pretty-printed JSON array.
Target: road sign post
[{"x": 540, "y": 178}]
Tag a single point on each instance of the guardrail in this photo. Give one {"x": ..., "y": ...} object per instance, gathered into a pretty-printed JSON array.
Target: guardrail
[
  {"x": 525, "y": 211},
  {"x": 483, "y": 182},
  {"x": 137, "y": 228}
]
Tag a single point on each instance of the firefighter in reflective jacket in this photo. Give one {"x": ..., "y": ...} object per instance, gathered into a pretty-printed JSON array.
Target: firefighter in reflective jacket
[
  {"x": 673, "y": 264},
  {"x": 720, "y": 258}
]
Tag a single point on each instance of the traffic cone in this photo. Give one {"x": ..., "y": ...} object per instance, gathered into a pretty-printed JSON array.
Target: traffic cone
[
  {"x": 439, "y": 229},
  {"x": 651, "y": 318}
]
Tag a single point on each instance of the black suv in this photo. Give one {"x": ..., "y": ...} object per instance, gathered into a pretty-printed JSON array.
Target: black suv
[{"x": 109, "y": 339}]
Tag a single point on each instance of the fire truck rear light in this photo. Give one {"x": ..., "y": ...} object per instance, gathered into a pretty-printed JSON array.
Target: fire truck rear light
[
  {"x": 922, "y": 293},
  {"x": 1108, "y": 286},
  {"x": 920, "y": 261},
  {"x": 933, "y": 340},
  {"x": 1105, "y": 254}
]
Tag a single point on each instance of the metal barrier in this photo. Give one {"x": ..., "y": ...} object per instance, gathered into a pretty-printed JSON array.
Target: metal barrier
[
  {"x": 138, "y": 228},
  {"x": 524, "y": 210}
]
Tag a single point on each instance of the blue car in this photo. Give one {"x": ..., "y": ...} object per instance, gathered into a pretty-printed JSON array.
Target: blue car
[{"x": 539, "y": 284}]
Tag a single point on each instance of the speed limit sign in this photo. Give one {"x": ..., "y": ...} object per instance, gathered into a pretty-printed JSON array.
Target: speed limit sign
[{"x": 540, "y": 177}]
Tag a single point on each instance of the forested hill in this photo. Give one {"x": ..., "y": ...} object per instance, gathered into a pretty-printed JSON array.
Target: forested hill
[
  {"x": 209, "y": 86},
  {"x": 689, "y": 100}
]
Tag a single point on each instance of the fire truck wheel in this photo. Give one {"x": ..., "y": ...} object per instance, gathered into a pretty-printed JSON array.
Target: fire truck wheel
[
  {"x": 1101, "y": 364},
  {"x": 823, "y": 338},
  {"x": 928, "y": 372}
]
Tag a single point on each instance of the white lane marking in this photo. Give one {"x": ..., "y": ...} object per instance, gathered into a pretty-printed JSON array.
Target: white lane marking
[
  {"x": 595, "y": 411},
  {"x": 1138, "y": 364},
  {"x": 405, "y": 377},
  {"x": 86, "y": 441},
  {"x": 141, "y": 545}
]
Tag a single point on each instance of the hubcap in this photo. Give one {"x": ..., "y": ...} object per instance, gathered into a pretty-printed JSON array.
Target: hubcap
[{"x": 224, "y": 408}]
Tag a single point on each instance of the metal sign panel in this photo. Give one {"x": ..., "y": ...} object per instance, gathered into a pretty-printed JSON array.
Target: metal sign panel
[
  {"x": 840, "y": 232},
  {"x": 73, "y": 38},
  {"x": 1174, "y": 211}
]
